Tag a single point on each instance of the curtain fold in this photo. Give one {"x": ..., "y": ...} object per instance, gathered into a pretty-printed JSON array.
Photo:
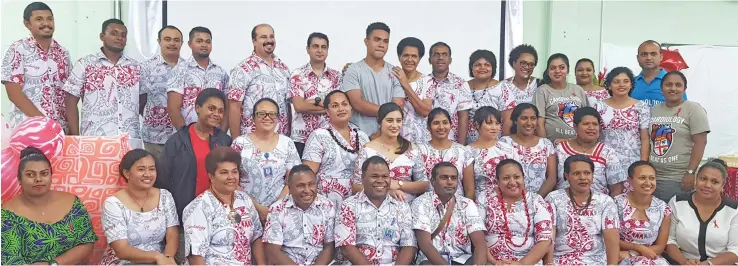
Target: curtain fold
[
  {"x": 144, "y": 22},
  {"x": 513, "y": 31}
]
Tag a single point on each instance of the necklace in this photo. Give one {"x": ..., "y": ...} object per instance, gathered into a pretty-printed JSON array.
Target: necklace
[
  {"x": 388, "y": 149},
  {"x": 506, "y": 227},
  {"x": 45, "y": 205},
  {"x": 574, "y": 204},
  {"x": 145, "y": 200},
  {"x": 233, "y": 216},
  {"x": 584, "y": 150},
  {"x": 348, "y": 149}
]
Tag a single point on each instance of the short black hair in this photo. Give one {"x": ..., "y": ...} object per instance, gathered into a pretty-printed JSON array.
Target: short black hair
[
  {"x": 111, "y": 21},
  {"x": 253, "y": 110},
  {"x": 199, "y": 29},
  {"x": 370, "y": 161},
  {"x": 35, "y": 6},
  {"x": 517, "y": 112},
  {"x": 131, "y": 158},
  {"x": 167, "y": 27},
  {"x": 376, "y": 26},
  {"x": 636, "y": 164},
  {"x": 519, "y": 50},
  {"x": 300, "y": 168},
  {"x": 614, "y": 73},
  {"x": 319, "y": 36},
  {"x": 435, "y": 112},
  {"x": 327, "y": 100},
  {"x": 208, "y": 93},
  {"x": 504, "y": 162},
  {"x": 487, "y": 55},
  {"x": 650, "y": 42},
  {"x": 675, "y": 72},
  {"x": 438, "y": 166},
  {"x": 412, "y": 42},
  {"x": 483, "y": 113},
  {"x": 578, "y": 158},
  {"x": 430, "y": 51},
  {"x": 221, "y": 154},
  {"x": 581, "y": 112},
  {"x": 31, "y": 154}
]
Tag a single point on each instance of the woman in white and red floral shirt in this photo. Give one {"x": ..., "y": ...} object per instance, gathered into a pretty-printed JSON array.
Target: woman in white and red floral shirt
[
  {"x": 221, "y": 225},
  {"x": 536, "y": 154},
  {"x": 644, "y": 219},
  {"x": 332, "y": 151},
  {"x": 487, "y": 151},
  {"x": 406, "y": 167},
  {"x": 586, "y": 220},
  {"x": 519, "y": 223},
  {"x": 441, "y": 149}
]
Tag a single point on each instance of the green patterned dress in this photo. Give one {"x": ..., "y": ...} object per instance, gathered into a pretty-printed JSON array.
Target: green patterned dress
[{"x": 27, "y": 242}]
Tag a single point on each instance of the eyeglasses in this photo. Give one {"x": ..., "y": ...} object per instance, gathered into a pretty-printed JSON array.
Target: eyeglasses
[
  {"x": 526, "y": 64},
  {"x": 272, "y": 115}
]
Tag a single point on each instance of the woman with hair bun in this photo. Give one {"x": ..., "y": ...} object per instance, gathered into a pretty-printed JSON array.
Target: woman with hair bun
[
  {"x": 42, "y": 225},
  {"x": 405, "y": 164}
]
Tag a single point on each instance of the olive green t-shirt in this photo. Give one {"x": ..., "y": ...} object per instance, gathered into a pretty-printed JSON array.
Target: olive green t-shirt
[
  {"x": 671, "y": 133},
  {"x": 557, "y": 107}
]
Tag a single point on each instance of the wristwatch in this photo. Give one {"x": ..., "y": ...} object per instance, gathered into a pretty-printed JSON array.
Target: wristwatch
[
  {"x": 690, "y": 172},
  {"x": 400, "y": 183},
  {"x": 317, "y": 101},
  {"x": 709, "y": 263},
  {"x": 53, "y": 263}
]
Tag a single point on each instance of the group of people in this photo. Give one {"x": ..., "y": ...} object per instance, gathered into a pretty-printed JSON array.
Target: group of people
[{"x": 380, "y": 164}]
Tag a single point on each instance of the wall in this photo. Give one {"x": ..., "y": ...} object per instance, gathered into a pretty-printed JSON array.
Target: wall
[
  {"x": 577, "y": 28},
  {"x": 77, "y": 27}
]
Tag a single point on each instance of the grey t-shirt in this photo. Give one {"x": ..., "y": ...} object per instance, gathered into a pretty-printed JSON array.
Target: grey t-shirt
[
  {"x": 378, "y": 88},
  {"x": 671, "y": 133},
  {"x": 557, "y": 107}
]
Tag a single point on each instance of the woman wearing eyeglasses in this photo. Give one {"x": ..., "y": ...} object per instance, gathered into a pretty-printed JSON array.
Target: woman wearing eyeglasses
[{"x": 266, "y": 157}]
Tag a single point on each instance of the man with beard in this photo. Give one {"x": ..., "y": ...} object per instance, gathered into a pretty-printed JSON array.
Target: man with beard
[
  {"x": 261, "y": 75},
  {"x": 370, "y": 83},
  {"x": 310, "y": 84},
  {"x": 191, "y": 76},
  {"x": 107, "y": 82},
  {"x": 157, "y": 126},
  {"x": 299, "y": 227},
  {"x": 373, "y": 228},
  {"x": 35, "y": 68},
  {"x": 647, "y": 87},
  {"x": 438, "y": 217},
  {"x": 452, "y": 92}
]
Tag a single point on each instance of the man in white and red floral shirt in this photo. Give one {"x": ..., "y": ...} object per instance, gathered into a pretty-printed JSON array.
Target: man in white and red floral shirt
[
  {"x": 157, "y": 126},
  {"x": 107, "y": 82},
  {"x": 34, "y": 70},
  {"x": 373, "y": 228},
  {"x": 261, "y": 75},
  {"x": 452, "y": 92},
  {"x": 191, "y": 76},
  {"x": 299, "y": 227},
  {"x": 310, "y": 84},
  {"x": 452, "y": 244}
]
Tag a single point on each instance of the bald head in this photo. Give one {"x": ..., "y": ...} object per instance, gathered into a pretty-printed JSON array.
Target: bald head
[{"x": 257, "y": 28}]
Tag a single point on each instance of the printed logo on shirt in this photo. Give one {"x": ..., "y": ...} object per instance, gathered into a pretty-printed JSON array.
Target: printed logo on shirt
[
  {"x": 661, "y": 138},
  {"x": 566, "y": 112}
]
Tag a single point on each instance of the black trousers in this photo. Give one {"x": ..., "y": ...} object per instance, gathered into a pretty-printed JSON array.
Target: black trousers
[{"x": 300, "y": 148}]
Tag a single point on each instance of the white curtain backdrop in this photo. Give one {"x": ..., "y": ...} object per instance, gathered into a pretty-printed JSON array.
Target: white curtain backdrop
[
  {"x": 710, "y": 82},
  {"x": 513, "y": 31},
  {"x": 144, "y": 22}
]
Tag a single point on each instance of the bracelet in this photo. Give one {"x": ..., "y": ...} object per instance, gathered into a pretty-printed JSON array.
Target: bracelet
[{"x": 709, "y": 262}]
